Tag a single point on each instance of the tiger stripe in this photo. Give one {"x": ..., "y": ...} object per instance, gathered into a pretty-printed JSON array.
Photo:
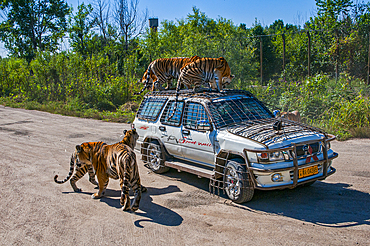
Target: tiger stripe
[{"x": 71, "y": 169}]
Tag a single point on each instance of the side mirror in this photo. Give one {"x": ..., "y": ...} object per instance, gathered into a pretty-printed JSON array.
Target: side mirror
[{"x": 203, "y": 125}]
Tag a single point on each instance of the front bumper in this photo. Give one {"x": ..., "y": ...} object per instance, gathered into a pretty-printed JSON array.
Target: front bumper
[{"x": 261, "y": 178}]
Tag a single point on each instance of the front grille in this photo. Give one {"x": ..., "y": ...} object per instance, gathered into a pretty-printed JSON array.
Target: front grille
[{"x": 303, "y": 150}]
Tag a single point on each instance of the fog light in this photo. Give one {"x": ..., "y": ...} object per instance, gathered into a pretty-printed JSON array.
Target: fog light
[{"x": 277, "y": 177}]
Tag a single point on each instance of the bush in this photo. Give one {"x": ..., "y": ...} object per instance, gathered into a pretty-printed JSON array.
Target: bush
[{"x": 92, "y": 87}]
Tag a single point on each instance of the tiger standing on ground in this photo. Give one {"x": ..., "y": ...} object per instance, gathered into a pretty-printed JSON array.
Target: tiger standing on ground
[
  {"x": 117, "y": 161},
  {"x": 129, "y": 138},
  {"x": 294, "y": 115}
]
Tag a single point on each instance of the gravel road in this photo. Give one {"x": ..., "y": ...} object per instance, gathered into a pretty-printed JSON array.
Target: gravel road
[{"x": 176, "y": 210}]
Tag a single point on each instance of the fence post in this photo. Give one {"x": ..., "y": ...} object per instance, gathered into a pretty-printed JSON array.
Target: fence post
[
  {"x": 309, "y": 53},
  {"x": 337, "y": 55},
  {"x": 283, "y": 36},
  {"x": 368, "y": 64},
  {"x": 261, "y": 56}
]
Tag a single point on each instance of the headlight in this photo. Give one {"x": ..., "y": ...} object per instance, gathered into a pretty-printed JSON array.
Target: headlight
[{"x": 272, "y": 156}]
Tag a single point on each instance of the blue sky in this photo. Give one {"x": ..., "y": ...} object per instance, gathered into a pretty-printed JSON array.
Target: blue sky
[
  {"x": 239, "y": 11},
  {"x": 295, "y": 12}
]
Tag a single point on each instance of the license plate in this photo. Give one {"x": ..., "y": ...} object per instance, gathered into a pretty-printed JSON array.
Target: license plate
[{"x": 308, "y": 171}]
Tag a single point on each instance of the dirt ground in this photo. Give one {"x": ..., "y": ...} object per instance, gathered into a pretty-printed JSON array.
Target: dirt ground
[{"x": 176, "y": 210}]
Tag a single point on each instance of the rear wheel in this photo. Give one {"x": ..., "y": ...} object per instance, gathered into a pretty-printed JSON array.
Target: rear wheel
[
  {"x": 236, "y": 182},
  {"x": 155, "y": 157}
]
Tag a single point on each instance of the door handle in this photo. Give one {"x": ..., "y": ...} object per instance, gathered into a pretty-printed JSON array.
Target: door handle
[
  {"x": 185, "y": 132},
  {"x": 162, "y": 128}
]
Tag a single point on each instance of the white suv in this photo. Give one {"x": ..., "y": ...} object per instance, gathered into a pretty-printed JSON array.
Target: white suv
[{"x": 231, "y": 138}]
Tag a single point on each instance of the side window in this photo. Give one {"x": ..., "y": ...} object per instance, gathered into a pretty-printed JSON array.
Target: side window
[
  {"x": 194, "y": 115},
  {"x": 150, "y": 108},
  {"x": 175, "y": 120}
]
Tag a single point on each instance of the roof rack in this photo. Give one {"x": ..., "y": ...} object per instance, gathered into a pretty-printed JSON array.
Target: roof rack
[{"x": 201, "y": 93}]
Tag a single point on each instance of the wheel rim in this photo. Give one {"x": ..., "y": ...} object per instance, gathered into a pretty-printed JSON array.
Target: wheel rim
[
  {"x": 154, "y": 156},
  {"x": 232, "y": 184}
]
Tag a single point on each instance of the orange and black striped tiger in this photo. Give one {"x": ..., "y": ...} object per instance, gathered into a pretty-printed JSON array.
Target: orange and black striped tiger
[
  {"x": 130, "y": 138},
  {"x": 117, "y": 161},
  {"x": 163, "y": 70},
  {"x": 203, "y": 71}
]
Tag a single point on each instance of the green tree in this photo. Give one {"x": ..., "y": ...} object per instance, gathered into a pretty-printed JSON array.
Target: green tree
[
  {"x": 80, "y": 29},
  {"x": 129, "y": 22},
  {"x": 31, "y": 26}
]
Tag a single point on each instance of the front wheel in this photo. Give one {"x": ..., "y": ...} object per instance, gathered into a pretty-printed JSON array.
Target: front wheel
[
  {"x": 155, "y": 157},
  {"x": 236, "y": 182}
]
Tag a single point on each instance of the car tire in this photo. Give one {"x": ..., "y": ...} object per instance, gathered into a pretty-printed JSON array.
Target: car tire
[
  {"x": 156, "y": 157},
  {"x": 237, "y": 183}
]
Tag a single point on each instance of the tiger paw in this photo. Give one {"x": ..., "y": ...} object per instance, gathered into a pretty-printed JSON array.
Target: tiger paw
[
  {"x": 125, "y": 202},
  {"x": 77, "y": 190},
  {"x": 95, "y": 196},
  {"x": 134, "y": 208},
  {"x": 125, "y": 208}
]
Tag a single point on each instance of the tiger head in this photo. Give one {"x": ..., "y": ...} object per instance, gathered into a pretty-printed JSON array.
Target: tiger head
[
  {"x": 130, "y": 137},
  {"x": 82, "y": 155},
  {"x": 152, "y": 78},
  {"x": 225, "y": 71},
  {"x": 84, "y": 152}
]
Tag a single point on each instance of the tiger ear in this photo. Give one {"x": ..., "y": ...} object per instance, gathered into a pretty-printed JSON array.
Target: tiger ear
[
  {"x": 124, "y": 132},
  {"x": 78, "y": 148}
]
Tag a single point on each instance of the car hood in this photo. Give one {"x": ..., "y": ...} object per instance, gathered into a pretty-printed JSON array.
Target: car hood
[{"x": 276, "y": 132}]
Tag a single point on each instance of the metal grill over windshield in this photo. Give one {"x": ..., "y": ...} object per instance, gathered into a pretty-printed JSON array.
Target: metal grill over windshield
[{"x": 230, "y": 111}]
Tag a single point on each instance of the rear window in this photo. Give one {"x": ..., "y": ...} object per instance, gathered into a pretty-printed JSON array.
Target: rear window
[{"x": 150, "y": 108}]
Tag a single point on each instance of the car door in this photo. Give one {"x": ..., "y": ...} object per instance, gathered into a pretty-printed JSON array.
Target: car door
[
  {"x": 170, "y": 128},
  {"x": 197, "y": 135}
]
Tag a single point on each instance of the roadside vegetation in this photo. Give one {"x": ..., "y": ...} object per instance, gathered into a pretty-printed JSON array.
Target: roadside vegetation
[{"x": 98, "y": 76}]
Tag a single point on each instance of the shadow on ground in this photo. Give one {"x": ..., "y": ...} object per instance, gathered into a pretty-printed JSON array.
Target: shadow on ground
[
  {"x": 152, "y": 212},
  {"x": 326, "y": 204}
]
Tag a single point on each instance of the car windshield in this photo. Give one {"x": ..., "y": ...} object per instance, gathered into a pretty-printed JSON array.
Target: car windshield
[{"x": 225, "y": 112}]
